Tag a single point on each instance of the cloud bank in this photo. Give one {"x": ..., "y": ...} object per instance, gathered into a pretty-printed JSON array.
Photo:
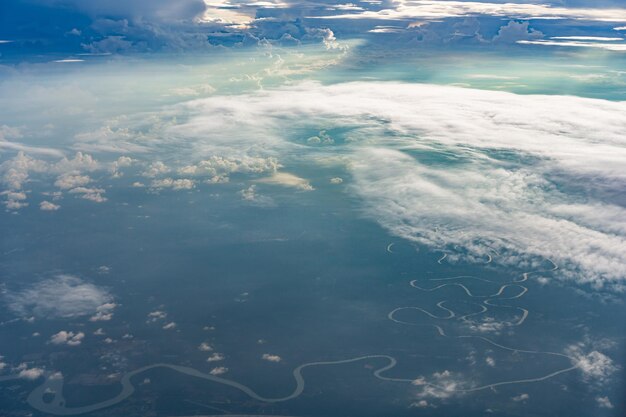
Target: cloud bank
[
  {"x": 467, "y": 171},
  {"x": 64, "y": 296}
]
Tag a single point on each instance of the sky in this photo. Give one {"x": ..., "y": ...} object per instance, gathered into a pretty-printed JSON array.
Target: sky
[{"x": 35, "y": 27}]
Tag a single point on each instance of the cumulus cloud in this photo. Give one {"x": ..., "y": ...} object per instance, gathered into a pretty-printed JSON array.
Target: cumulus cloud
[
  {"x": 216, "y": 357},
  {"x": 91, "y": 194},
  {"x": 15, "y": 173},
  {"x": 104, "y": 312},
  {"x": 521, "y": 397},
  {"x": 121, "y": 162},
  {"x": 14, "y": 199},
  {"x": 67, "y": 181},
  {"x": 175, "y": 184},
  {"x": 251, "y": 196},
  {"x": 155, "y": 169},
  {"x": 79, "y": 163},
  {"x": 442, "y": 384},
  {"x": 220, "y": 167},
  {"x": 63, "y": 296},
  {"x": 169, "y": 326},
  {"x": 326, "y": 35},
  {"x": 30, "y": 373},
  {"x": 220, "y": 370},
  {"x": 604, "y": 402},
  {"x": 515, "y": 31},
  {"x": 48, "y": 206},
  {"x": 67, "y": 338},
  {"x": 420, "y": 404},
  {"x": 595, "y": 366},
  {"x": 205, "y": 347},
  {"x": 155, "y": 316},
  {"x": 271, "y": 358}
]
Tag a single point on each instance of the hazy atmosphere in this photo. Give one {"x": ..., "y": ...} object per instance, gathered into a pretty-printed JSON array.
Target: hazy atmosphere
[{"x": 384, "y": 208}]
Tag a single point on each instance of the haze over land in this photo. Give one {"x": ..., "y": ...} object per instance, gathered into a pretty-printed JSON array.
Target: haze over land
[{"x": 376, "y": 208}]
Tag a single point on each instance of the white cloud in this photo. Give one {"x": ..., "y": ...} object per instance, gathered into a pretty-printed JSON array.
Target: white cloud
[
  {"x": 521, "y": 397},
  {"x": 31, "y": 373},
  {"x": 67, "y": 181},
  {"x": 336, "y": 180},
  {"x": 176, "y": 184},
  {"x": 588, "y": 38},
  {"x": 287, "y": 180},
  {"x": 67, "y": 338},
  {"x": 500, "y": 154},
  {"x": 609, "y": 46},
  {"x": 437, "y": 9},
  {"x": 220, "y": 166},
  {"x": 104, "y": 312},
  {"x": 68, "y": 61},
  {"x": 487, "y": 205},
  {"x": 516, "y": 31},
  {"x": 169, "y": 326},
  {"x": 216, "y": 357},
  {"x": 155, "y": 169},
  {"x": 80, "y": 162},
  {"x": 15, "y": 171},
  {"x": 110, "y": 138},
  {"x": 192, "y": 90},
  {"x": 420, "y": 404},
  {"x": 441, "y": 385},
  {"x": 63, "y": 296},
  {"x": 103, "y": 269},
  {"x": 220, "y": 370},
  {"x": 14, "y": 199},
  {"x": 205, "y": 347},
  {"x": 92, "y": 194},
  {"x": 604, "y": 402},
  {"x": 271, "y": 358},
  {"x": 14, "y": 204},
  {"x": 121, "y": 162},
  {"x": 595, "y": 366},
  {"x": 157, "y": 315},
  {"x": 251, "y": 196},
  {"x": 14, "y": 195},
  {"x": 48, "y": 206}
]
